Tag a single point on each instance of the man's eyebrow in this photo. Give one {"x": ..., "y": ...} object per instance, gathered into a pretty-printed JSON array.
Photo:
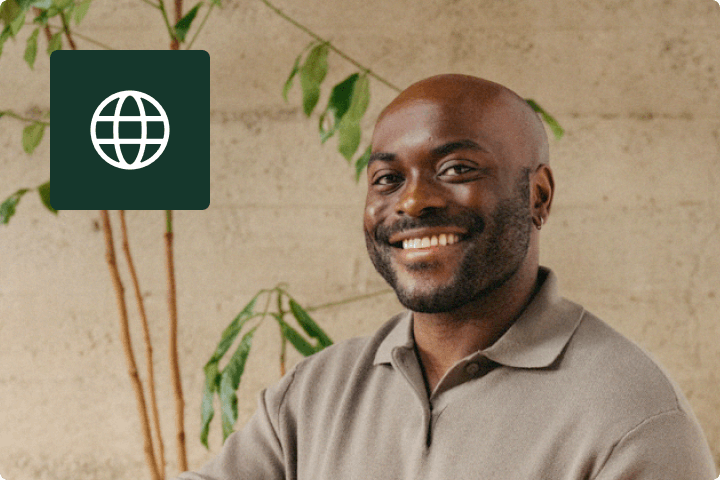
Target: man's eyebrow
[
  {"x": 440, "y": 151},
  {"x": 385, "y": 157},
  {"x": 450, "y": 147}
]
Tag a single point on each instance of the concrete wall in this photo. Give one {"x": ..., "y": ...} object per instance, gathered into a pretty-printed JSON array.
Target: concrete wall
[{"x": 634, "y": 234}]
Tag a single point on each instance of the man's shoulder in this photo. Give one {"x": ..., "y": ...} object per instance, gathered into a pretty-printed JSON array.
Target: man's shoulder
[{"x": 618, "y": 373}]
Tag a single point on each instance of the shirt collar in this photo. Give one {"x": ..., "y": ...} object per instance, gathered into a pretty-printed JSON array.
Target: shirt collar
[{"x": 535, "y": 340}]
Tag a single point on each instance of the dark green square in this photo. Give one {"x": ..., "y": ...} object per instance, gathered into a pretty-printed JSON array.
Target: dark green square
[{"x": 179, "y": 81}]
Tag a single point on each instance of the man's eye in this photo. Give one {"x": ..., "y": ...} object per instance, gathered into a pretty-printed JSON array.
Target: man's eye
[
  {"x": 455, "y": 170},
  {"x": 387, "y": 179}
]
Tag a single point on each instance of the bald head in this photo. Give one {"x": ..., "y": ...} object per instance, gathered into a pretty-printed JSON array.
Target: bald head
[{"x": 505, "y": 116}]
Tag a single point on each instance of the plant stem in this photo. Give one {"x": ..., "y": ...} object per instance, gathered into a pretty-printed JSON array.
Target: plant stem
[
  {"x": 127, "y": 345},
  {"x": 148, "y": 343},
  {"x": 317, "y": 37},
  {"x": 66, "y": 29},
  {"x": 348, "y": 300},
  {"x": 175, "y": 43},
  {"x": 171, "y": 32},
  {"x": 283, "y": 340},
  {"x": 46, "y": 29},
  {"x": 178, "y": 10},
  {"x": 202, "y": 24},
  {"x": 84, "y": 37},
  {"x": 12, "y": 114},
  {"x": 174, "y": 361},
  {"x": 152, "y": 4}
]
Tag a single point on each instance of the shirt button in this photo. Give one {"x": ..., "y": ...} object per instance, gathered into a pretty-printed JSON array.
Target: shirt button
[{"x": 472, "y": 368}]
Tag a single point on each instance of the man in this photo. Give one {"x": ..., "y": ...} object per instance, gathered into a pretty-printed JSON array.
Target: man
[{"x": 490, "y": 374}]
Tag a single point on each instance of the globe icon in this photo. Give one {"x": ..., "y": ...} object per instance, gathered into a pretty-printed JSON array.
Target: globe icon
[{"x": 129, "y": 135}]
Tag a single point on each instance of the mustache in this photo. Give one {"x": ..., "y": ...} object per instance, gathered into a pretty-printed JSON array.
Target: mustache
[{"x": 468, "y": 221}]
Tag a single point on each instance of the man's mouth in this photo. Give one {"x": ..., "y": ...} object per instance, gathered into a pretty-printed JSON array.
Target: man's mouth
[
  {"x": 430, "y": 241},
  {"x": 426, "y": 238}
]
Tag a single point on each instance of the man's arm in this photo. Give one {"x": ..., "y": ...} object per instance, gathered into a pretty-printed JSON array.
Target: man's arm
[
  {"x": 668, "y": 446},
  {"x": 256, "y": 452}
]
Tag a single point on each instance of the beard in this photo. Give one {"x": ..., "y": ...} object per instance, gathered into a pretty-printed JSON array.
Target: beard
[{"x": 495, "y": 250}]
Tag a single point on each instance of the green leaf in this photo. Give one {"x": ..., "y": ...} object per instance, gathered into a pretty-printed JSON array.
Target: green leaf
[
  {"x": 32, "y": 134},
  {"x": 360, "y": 99},
  {"x": 44, "y": 192},
  {"x": 31, "y": 48},
  {"x": 212, "y": 375},
  {"x": 25, "y": 4},
  {"x": 212, "y": 384},
  {"x": 230, "y": 381},
  {"x": 62, "y": 4},
  {"x": 216, "y": 3},
  {"x": 81, "y": 10},
  {"x": 17, "y": 24},
  {"x": 42, "y": 4},
  {"x": 182, "y": 27},
  {"x": 349, "y": 131},
  {"x": 362, "y": 162},
  {"x": 300, "y": 344},
  {"x": 552, "y": 123},
  {"x": 338, "y": 105},
  {"x": 55, "y": 43},
  {"x": 312, "y": 73},
  {"x": 309, "y": 325},
  {"x": 7, "y": 208},
  {"x": 9, "y": 10},
  {"x": 293, "y": 72},
  {"x": 4, "y": 35},
  {"x": 46, "y": 15},
  {"x": 349, "y": 135},
  {"x": 233, "y": 329}
]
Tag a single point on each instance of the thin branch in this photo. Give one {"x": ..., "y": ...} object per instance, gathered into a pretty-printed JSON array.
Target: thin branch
[
  {"x": 173, "y": 351},
  {"x": 178, "y": 10},
  {"x": 66, "y": 29},
  {"x": 170, "y": 30},
  {"x": 84, "y": 37},
  {"x": 127, "y": 345},
  {"x": 348, "y": 300},
  {"x": 175, "y": 43},
  {"x": 283, "y": 343},
  {"x": 152, "y": 4},
  {"x": 38, "y": 12},
  {"x": 202, "y": 24},
  {"x": 11, "y": 114},
  {"x": 330, "y": 45},
  {"x": 148, "y": 343}
]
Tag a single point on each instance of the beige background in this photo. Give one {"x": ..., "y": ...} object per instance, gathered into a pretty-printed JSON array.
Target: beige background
[{"x": 634, "y": 234}]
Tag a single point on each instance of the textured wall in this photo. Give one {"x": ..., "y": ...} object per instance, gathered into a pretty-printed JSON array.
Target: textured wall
[{"x": 634, "y": 234}]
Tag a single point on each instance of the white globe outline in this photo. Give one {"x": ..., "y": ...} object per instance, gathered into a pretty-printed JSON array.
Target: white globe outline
[{"x": 117, "y": 118}]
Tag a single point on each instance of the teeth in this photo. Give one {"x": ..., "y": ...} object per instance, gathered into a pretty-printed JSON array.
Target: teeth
[{"x": 435, "y": 240}]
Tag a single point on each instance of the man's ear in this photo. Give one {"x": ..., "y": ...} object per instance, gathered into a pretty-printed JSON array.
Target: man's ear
[{"x": 542, "y": 189}]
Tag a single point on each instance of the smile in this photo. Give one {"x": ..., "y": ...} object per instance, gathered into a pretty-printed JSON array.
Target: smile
[{"x": 430, "y": 241}]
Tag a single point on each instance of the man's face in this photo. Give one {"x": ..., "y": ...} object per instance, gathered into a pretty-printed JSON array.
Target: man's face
[{"x": 447, "y": 216}]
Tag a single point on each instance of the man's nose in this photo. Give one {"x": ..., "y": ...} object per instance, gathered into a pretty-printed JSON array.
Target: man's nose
[{"x": 420, "y": 196}]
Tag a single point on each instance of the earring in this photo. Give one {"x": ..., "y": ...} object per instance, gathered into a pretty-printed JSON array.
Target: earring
[{"x": 539, "y": 222}]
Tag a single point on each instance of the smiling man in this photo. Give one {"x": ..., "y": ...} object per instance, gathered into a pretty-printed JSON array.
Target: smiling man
[{"x": 490, "y": 374}]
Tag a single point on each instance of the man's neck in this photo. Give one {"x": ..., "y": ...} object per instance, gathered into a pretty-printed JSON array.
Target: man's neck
[{"x": 442, "y": 339}]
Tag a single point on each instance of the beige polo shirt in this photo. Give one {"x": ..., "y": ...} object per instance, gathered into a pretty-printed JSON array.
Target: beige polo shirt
[{"x": 560, "y": 396}]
